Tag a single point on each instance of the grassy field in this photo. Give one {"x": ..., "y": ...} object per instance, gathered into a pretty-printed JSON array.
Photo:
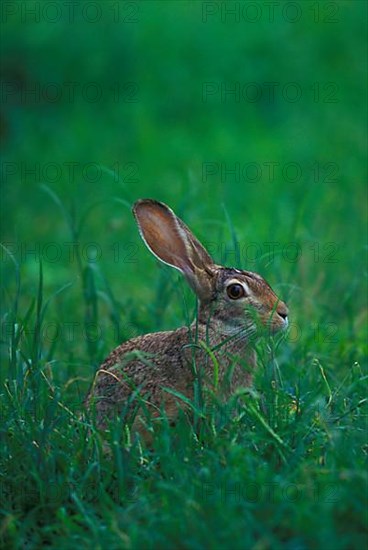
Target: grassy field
[{"x": 251, "y": 124}]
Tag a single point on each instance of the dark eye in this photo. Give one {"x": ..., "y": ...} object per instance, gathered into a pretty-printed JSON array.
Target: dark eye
[{"x": 235, "y": 291}]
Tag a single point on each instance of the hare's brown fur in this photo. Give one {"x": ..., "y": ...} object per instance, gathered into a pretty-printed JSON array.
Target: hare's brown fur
[
  {"x": 140, "y": 373},
  {"x": 171, "y": 367}
]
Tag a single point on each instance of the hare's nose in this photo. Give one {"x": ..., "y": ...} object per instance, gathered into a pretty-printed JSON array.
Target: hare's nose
[
  {"x": 283, "y": 315},
  {"x": 283, "y": 312}
]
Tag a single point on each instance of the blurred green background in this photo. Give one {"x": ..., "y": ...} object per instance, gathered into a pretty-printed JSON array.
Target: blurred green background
[{"x": 249, "y": 121}]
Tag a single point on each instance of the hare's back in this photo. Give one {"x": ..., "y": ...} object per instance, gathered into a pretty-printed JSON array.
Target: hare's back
[{"x": 145, "y": 364}]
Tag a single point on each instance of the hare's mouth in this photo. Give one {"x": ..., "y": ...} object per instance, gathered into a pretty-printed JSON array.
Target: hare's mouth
[{"x": 265, "y": 322}]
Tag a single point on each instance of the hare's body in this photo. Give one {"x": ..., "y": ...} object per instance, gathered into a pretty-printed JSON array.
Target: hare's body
[
  {"x": 151, "y": 373},
  {"x": 174, "y": 365}
]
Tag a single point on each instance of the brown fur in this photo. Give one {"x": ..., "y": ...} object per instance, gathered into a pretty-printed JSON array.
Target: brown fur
[{"x": 138, "y": 373}]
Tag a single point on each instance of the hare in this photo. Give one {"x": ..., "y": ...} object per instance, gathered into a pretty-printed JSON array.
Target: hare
[{"x": 150, "y": 373}]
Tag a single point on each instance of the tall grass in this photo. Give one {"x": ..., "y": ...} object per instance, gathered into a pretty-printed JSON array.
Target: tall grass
[{"x": 282, "y": 464}]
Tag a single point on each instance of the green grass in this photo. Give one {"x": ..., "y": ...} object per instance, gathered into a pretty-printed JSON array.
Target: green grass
[{"x": 281, "y": 465}]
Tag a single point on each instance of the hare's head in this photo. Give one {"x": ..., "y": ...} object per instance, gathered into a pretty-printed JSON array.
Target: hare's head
[{"x": 233, "y": 300}]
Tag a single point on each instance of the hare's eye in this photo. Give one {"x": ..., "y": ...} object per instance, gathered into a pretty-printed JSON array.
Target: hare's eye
[{"x": 235, "y": 291}]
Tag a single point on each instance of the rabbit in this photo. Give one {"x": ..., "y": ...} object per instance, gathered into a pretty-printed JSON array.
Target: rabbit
[{"x": 151, "y": 372}]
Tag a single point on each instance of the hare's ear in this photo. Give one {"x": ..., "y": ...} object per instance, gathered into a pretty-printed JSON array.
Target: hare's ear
[{"x": 170, "y": 240}]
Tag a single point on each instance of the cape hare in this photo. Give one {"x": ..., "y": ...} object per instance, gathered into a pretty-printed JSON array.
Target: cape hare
[{"x": 148, "y": 375}]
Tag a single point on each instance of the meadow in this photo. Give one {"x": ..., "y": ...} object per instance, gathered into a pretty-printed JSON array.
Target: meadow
[{"x": 250, "y": 121}]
